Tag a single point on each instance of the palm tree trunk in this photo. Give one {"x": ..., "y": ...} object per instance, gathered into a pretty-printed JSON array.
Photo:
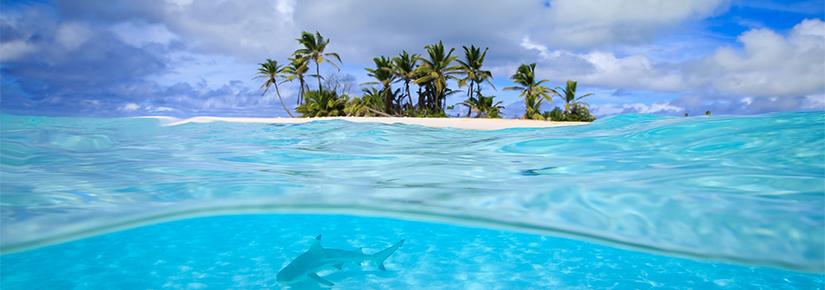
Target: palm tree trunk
[
  {"x": 470, "y": 95},
  {"x": 318, "y": 74},
  {"x": 443, "y": 103},
  {"x": 420, "y": 99},
  {"x": 378, "y": 112},
  {"x": 278, "y": 92},
  {"x": 301, "y": 92},
  {"x": 407, "y": 90},
  {"x": 387, "y": 100},
  {"x": 527, "y": 111}
]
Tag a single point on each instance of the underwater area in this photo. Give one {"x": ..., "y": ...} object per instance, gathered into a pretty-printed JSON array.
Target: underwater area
[{"x": 630, "y": 201}]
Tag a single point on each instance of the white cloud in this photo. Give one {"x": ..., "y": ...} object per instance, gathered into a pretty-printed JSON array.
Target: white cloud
[
  {"x": 285, "y": 10},
  {"x": 16, "y": 49},
  {"x": 655, "y": 108},
  {"x": 768, "y": 65},
  {"x": 90, "y": 103},
  {"x": 593, "y": 23},
  {"x": 530, "y": 45},
  {"x": 602, "y": 44},
  {"x": 159, "y": 109},
  {"x": 247, "y": 30},
  {"x": 138, "y": 33},
  {"x": 130, "y": 107},
  {"x": 604, "y": 69},
  {"x": 361, "y": 29},
  {"x": 180, "y": 3},
  {"x": 630, "y": 71},
  {"x": 72, "y": 35},
  {"x": 814, "y": 102}
]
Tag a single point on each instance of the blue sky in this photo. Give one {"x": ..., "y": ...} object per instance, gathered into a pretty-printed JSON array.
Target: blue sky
[{"x": 189, "y": 57}]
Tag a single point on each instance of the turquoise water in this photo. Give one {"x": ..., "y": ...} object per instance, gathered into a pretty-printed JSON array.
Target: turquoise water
[
  {"x": 247, "y": 252},
  {"x": 631, "y": 201}
]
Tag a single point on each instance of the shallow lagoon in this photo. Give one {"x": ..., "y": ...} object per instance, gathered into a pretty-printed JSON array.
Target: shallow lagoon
[
  {"x": 247, "y": 251},
  {"x": 731, "y": 190}
]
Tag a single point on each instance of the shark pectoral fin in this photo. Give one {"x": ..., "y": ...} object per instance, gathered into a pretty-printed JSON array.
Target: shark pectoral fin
[
  {"x": 320, "y": 280},
  {"x": 379, "y": 257},
  {"x": 316, "y": 245},
  {"x": 338, "y": 266}
]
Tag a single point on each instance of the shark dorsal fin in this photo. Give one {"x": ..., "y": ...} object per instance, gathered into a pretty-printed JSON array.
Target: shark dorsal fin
[{"x": 316, "y": 244}]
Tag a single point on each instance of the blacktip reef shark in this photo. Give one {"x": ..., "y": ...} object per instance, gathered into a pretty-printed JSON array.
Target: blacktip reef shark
[{"x": 318, "y": 258}]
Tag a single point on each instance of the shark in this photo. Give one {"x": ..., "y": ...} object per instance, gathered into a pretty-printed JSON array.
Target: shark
[{"x": 317, "y": 258}]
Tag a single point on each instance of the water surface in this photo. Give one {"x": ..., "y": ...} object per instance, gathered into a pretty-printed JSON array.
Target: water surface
[{"x": 742, "y": 190}]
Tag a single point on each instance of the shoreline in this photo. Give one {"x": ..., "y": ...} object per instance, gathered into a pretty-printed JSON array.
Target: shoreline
[{"x": 456, "y": 123}]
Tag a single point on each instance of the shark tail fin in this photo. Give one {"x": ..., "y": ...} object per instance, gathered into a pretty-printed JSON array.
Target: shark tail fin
[{"x": 379, "y": 257}]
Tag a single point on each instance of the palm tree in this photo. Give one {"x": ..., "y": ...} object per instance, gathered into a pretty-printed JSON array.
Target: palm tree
[
  {"x": 384, "y": 76},
  {"x": 483, "y": 106},
  {"x": 295, "y": 70},
  {"x": 403, "y": 67},
  {"x": 487, "y": 108},
  {"x": 314, "y": 46},
  {"x": 322, "y": 104},
  {"x": 532, "y": 91},
  {"x": 568, "y": 94},
  {"x": 271, "y": 71},
  {"x": 435, "y": 72},
  {"x": 369, "y": 104},
  {"x": 474, "y": 75}
]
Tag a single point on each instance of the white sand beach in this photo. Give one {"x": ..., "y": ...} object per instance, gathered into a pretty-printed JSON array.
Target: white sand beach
[{"x": 458, "y": 123}]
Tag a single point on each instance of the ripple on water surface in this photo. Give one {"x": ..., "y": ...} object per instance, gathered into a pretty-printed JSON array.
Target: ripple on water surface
[{"x": 746, "y": 189}]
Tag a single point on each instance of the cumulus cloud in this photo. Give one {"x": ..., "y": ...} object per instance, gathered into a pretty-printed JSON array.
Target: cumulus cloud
[
  {"x": 362, "y": 29},
  {"x": 814, "y": 102},
  {"x": 695, "y": 104},
  {"x": 768, "y": 64},
  {"x": 655, "y": 108},
  {"x": 72, "y": 35},
  {"x": 629, "y": 71},
  {"x": 15, "y": 49},
  {"x": 593, "y": 23},
  {"x": 190, "y": 56},
  {"x": 130, "y": 107},
  {"x": 605, "y": 69},
  {"x": 139, "y": 34}
]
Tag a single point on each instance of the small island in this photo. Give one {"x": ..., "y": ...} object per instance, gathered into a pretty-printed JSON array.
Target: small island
[{"x": 430, "y": 74}]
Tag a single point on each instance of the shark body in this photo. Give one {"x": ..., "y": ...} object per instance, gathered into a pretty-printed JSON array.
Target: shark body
[{"x": 318, "y": 258}]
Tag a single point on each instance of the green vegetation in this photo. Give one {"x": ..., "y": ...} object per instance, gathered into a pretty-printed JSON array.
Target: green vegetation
[
  {"x": 323, "y": 104},
  {"x": 577, "y": 113},
  {"x": 404, "y": 68},
  {"x": 431, "y": 73},
  {"x": 533, "y": 91},
  {"x": 314, "y": 47},
  {"x": 483, "y": 107},
  {"x": 271, "y": 71},
  {"x": 384, "y": 76},
  {"x": 568, "y": 95},
  {"x": 295, "y": 71},
  {"x": 474, "y": 76}
]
